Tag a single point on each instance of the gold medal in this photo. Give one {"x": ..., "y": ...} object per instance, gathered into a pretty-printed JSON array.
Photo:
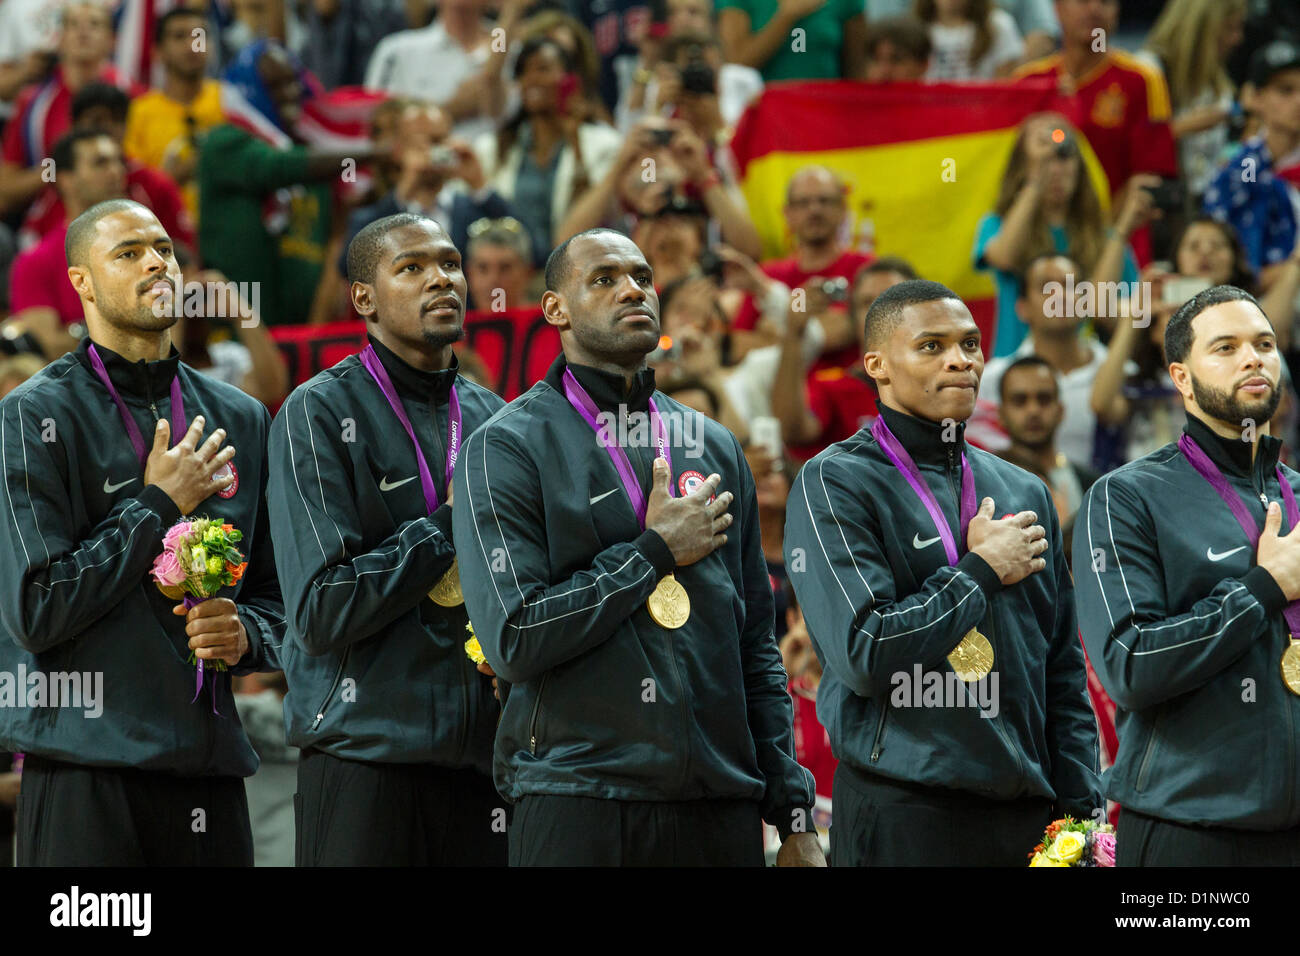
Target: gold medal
[
  {"x": 1291, "y": 666},
  {"x": 447, "y": 592},
  {"x": 668, "y": 604},
  {"x": 972, "y": 659}
]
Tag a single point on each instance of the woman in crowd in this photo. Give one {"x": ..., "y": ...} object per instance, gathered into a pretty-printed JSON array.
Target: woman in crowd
[
  {"x": 548, "y": 153},
  {"x": 1191, "y": 42},
  {"x": 1047, "y": 202},
  {"x": 970, "y": 39}
]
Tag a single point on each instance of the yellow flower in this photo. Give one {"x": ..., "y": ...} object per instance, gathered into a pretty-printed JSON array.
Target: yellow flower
[
  {"x": 1068, "y": 846},
  {"x": 474, "y": 651},
  {"x": 1042, "y": 859}
]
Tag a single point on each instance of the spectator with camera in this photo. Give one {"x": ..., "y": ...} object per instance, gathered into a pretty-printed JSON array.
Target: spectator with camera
[
  {"x": 1047, "y": 203},
  {"x": 689, "y": 80},
  {"x": 816, "y": 208},
  {"x": 826, "y": 406},
  {"x": 437, "y": 175},
  {"x": 548, "y": 154},
  {"x": 661, "y": 165}
]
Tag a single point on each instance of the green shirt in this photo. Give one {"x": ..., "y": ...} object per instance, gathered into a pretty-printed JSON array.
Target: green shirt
[
  {"x": 238, "y": 173},
  {"x": 818, "y": 56}
]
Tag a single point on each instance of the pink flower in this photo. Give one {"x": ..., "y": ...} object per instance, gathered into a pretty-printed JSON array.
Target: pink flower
[
  {"x": 1103, "y": 849},
  {"x": 174, "y": 534},
  {"x": 167, "y": 571}
]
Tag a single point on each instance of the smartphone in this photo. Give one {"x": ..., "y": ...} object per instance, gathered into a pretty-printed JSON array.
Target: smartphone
[
  {"x": 765, "y": 431},
  {"x": 1178, "y": 289},
  {"x": 443, "y": 156},
  {"x": 568, "y": 86},
  {"x": 661, "y": 136}
]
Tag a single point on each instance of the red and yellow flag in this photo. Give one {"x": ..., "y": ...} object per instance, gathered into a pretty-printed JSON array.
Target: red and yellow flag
[{"x": 923, "y": 164}]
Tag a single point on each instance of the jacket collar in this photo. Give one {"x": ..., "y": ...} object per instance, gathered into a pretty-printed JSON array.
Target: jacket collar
[
  {"x": 923, "y": 439},
  {"x": 415, "y": 382},
  {"x": 148, "y": 381},
  {"x": 607, "y": 389},
  {"x": 1232, "y": 455}
]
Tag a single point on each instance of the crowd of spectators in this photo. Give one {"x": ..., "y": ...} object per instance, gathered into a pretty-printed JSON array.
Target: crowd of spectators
[{"x": 519, "y": 123}]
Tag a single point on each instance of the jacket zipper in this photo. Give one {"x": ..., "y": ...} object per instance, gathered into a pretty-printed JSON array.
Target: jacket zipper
[
  {"x": 1143, "y": 767},
  {"x": 532, "y": 724},
  {"x": 338, "y": 675},
  {"x": 880, "y": 733}
]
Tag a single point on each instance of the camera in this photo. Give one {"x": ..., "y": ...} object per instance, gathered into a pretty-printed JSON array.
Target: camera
[
  {"x": 661, "y": 136},
  {"x": 698, "y": 77},
  {"x": 443, "y": 155},
  {"x": 836, "y": 289}
]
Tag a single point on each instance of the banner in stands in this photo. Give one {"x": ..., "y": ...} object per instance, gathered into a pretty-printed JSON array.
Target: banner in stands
[
  {"x": 923, "y": 164},
  {"x": 516, "y": 347}
]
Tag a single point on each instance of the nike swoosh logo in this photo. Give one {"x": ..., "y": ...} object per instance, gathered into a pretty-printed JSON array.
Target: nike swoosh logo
[
  {"x": 109, "y": 489},
  {"x": 605, "y": 495},
  {"x": 919, "y": 544},
  {"x": 1209, "y": 553},
  {"x": 386, "y": 485}
]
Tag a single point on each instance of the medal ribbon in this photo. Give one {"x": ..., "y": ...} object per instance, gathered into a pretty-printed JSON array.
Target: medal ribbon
[
  {"x": 1199, "y": 460},
  {"x": 380, "y": 374},
  {"x": 132, "y": 429},
  {"x": 897, "y": 454},
  {"x": 582, "y": 402}
]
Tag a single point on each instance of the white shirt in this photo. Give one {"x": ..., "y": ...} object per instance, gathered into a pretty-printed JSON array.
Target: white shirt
[
  {"x": 1074, "y": 437},
  {"x": 427, "y": 64},
  {"x": 950, "y": 59}
]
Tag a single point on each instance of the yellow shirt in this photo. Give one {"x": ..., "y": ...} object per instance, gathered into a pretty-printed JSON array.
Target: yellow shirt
[{"x": 157, "y": 129}]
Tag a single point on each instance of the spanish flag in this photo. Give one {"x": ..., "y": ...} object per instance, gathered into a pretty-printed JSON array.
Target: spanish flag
[{"x": 923, "y": 164}]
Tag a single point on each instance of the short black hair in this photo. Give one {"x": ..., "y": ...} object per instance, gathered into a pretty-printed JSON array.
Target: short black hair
[
  {"x": 367, "y": 246},
  {"x": 64, "y": 152},
  {"x": 1178, "y": 333},
  {"x": 1027, "y": 361},
  {"x": 557, "y": 263},
  {"x": 887, "y": 311},
  {"x": 93, "y": 95},
  {"x": 160, "y": 28},
  {"x": 81, "y": 231}
]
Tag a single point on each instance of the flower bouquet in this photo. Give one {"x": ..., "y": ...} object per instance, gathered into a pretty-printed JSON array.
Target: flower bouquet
[
  {"x": 198, "y": 559},
  {"x": 1071, "y": 842},
  {"x": 472, "y": 648}
]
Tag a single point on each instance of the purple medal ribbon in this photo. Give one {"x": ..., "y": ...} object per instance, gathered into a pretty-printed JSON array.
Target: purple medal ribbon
[
  {"x": 582, "y": 402},
  {"x": 133, "y": 432},
  {"x": 897, "y": 454},
  {"x": 380, "y": 374},
  {"x": 132, "y": 429},
  {"x": 1199, "y": 460}
]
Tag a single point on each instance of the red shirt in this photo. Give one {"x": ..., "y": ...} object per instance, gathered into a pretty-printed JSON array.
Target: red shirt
[
  {"x": 40, "y": 279},
  {"x": 1122, "y": 108},
  {"x": 789, "y": 272},
  {"x": 43, "y": 113},
  {"x": 842, "y": 402},
  {"x": 151, "y": 188},
  {"x": 812, "y": 745}
]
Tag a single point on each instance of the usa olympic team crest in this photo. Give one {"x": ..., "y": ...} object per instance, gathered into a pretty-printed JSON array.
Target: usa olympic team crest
[
  {"x": 227, "y": 469},
  {"x": 688, "y": 482}
]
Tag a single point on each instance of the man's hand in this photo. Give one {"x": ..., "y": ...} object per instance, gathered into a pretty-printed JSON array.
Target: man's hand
[
  {"x": 1011, "y": 546},
  {"x": 690, "y": 526},
  {"x": 10, "y": 785},
  {"x": 1279, "y": 555},
  {"x": 801, "y": 849},
  {"x": 485, "y": 668},
  {"x": 1139, "y": 206},
  {"x": 467, "y": 166},
  {"x": 183, "y": 472},
  {"x": 215, "y": 630}
]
